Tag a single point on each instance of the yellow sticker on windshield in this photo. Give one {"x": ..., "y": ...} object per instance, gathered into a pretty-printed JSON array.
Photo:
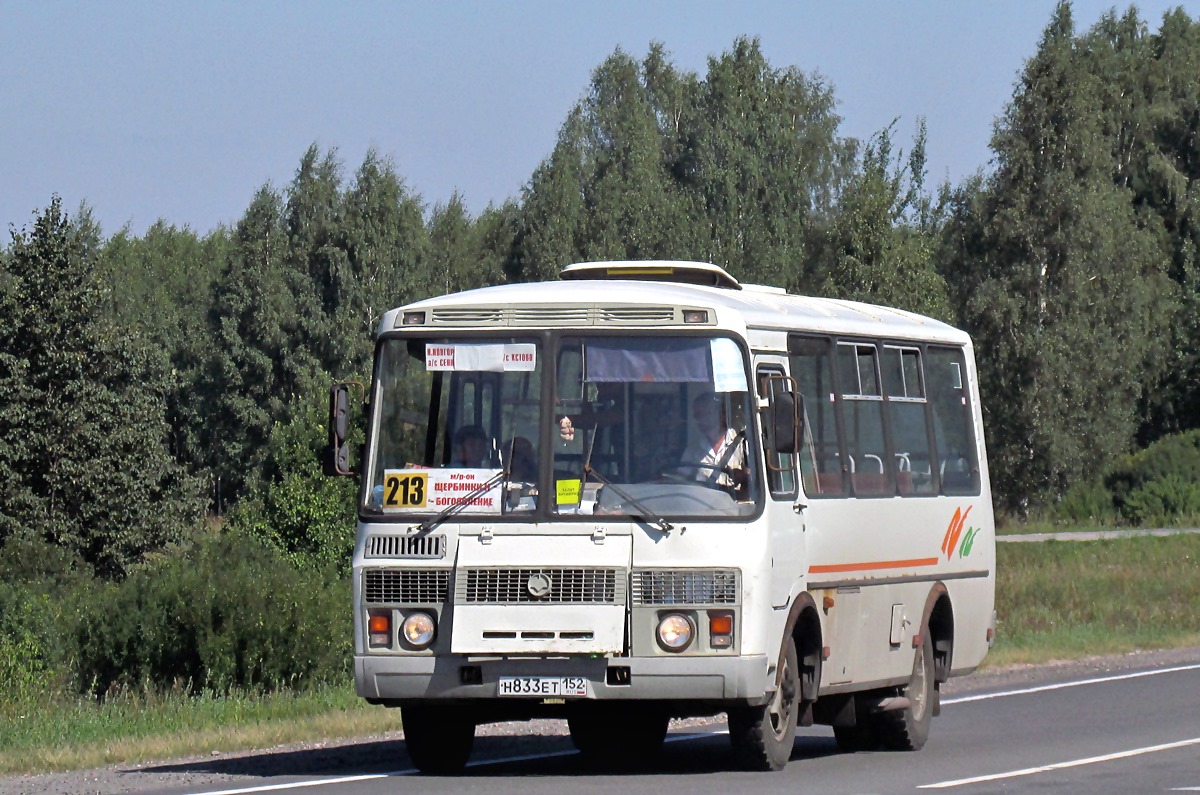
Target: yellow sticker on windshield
[
  {"x": 566, "y": 492},
  {"x": 405, "y": 489}
]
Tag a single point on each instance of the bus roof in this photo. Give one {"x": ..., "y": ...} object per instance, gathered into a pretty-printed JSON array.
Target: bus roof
[{"x": 654, "y": 294}]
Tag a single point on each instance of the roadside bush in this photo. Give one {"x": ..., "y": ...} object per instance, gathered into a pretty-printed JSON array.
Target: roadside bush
[
  {"x": 228, "y": 613},
  {"x": 294, "y": 507},
  {"x": 41, "y": 586},
  {"x": 1175, "y": 456},
  {"x": 24, "y": 666},
  {"x": 1084, "y": 504},
  {"x": 1161, "y": 501}
]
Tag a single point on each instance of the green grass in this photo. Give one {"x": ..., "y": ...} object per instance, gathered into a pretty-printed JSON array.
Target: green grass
[
  {"x": 1054, "y": 600},
  {"x": 68, "y": 734},
  {"x": 1064, "y": 599}
]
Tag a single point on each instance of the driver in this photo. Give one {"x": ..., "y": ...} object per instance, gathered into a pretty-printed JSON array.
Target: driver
[{"x": 714, "y": 456}]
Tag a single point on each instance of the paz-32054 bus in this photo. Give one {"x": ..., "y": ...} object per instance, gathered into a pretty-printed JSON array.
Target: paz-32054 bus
[{"x": 647, "y": 491}]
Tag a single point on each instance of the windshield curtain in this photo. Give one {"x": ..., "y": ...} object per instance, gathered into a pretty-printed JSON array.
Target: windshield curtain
[
  {"x": 640, "y": 426},
  {"x": 651, "y": 425}
]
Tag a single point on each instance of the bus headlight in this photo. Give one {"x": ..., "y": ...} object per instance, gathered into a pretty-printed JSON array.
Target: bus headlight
[
  {"x": 418, "y": 629},
  {"x": 675, "y": 632}
]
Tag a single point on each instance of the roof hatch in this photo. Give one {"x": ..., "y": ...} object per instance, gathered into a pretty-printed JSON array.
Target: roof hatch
[{"x": 654, "y": 271}]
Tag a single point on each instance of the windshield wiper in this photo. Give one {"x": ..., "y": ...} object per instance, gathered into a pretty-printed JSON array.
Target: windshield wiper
[
  {"x": 460, "y": 504},
  {"x": 646, "y": 514}
]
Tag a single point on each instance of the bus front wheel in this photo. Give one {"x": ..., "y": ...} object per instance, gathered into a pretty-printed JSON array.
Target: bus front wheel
[
  {"x": 438, "y": 739},
  {"x": 762, "y": 736}
]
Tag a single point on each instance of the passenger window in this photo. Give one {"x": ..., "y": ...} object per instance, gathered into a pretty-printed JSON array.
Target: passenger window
[
  {"x": 906, "y": 409},
  {"x": 958, "y": 465},
  {"x": 822, "y": 468},
  {"x": 862, "y": 403}
]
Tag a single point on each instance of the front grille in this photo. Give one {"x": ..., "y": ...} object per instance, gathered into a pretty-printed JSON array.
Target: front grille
[
  {"x": 467, "y": 317},
  {"x": 406, "y": 586},
  {"x": 523, "y": 586},
  {"x": 637, "y": 314},
  {"x": 569, "y": 315},
  {"x": 564, "y": 316},
  {"x": 401, "y": 546},
  {"x": 686, "y": 587}
]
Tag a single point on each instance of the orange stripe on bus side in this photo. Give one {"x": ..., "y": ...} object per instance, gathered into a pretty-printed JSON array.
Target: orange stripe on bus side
[{"x": 872, "y": 565}]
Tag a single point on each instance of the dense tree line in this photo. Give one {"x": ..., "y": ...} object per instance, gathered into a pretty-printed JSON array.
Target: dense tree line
[{"x": 150, "y": 381}]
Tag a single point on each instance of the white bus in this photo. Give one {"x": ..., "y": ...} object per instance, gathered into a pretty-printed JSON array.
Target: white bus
[{"x": 648, "y": 491}]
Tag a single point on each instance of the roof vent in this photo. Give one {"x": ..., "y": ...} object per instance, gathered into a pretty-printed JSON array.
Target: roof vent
[{"x": 654, "y": 271}]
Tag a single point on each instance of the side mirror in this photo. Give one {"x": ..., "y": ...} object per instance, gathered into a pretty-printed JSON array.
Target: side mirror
[
  {"x": 785, "y": 423},
  {"x": 336, "y": 459}
]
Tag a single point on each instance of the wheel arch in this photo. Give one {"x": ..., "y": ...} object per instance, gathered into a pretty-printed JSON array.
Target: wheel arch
[
  {"x": 804, "y": 627},
  {"x": 938, "y": 620}
]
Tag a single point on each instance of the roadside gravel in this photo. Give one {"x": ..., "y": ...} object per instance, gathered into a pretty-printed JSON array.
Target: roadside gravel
[{"x": 384, "y": 753}]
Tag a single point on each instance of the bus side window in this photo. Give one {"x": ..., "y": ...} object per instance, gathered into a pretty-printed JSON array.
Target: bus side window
[
  {"x": 822, "y": 467},
  {"x": 906, "y": 406},
  {"x": 862, "y": 405},
  {"x": 958, "y": 464},
  {"x": 781, "y": 467}
]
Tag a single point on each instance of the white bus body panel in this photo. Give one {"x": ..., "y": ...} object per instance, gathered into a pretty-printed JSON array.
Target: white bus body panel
[
  {"x": 541, "y": 629},
  {"x": 869, "y": 565}
]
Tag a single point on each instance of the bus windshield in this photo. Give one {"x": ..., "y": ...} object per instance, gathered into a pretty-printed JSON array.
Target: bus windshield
[{"x": 630, "y": 426}]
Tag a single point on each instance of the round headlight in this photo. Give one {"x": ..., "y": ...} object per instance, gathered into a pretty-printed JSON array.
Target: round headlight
[
  {"x": 675, "y": 632},
  {"x": 418, "y": 629}
]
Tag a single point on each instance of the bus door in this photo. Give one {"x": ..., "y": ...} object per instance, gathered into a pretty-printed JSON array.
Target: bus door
[{"x": 783, "y": 515}]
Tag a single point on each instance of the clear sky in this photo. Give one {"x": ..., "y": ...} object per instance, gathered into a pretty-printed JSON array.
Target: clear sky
[{"x": 181, "y": 111}]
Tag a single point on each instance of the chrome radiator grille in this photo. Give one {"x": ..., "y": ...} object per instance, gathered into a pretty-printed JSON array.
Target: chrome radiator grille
[
  {"x": 540, "y": 585},
  {"x": 686, "y": 587},
  {"x": 400, "y": 546},
  {"x": 409, "y": 586}
]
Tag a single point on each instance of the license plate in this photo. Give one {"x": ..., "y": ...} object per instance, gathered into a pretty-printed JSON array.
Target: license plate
[{"x": 541, "y": 686}]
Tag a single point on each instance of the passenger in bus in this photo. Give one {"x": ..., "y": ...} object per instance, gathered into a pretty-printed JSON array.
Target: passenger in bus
[
  {"x": 522, "y": 464},
  {"x": 716, "y": 456},
  {"x": 470, "y": 448}
]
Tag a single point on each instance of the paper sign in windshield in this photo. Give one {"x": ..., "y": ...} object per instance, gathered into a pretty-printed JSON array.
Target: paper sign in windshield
[
  {"x": 476, "y": 357},
  {"x": 729, "y": 372},
  {"x": 438, "y": 489}
]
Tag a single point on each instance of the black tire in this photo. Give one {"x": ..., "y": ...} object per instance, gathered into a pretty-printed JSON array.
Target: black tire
[
  {"x": 907, "y": 729},
  {"x": 763, "y": 736},
  {"x": 438, "y": 739},
  {"x": 615, "y": 734}
]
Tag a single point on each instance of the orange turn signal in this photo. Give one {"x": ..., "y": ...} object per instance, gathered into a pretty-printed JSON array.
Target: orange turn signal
[
  {"x": 720, "y": 625},
  {"x": 379, "y": 629}
]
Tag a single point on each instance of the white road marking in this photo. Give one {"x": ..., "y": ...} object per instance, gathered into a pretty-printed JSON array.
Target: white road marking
[
  {"x": 1061, "y": 685},
  {"x": 320, "y": 782},
  {"x": 1029, "y": 771}
]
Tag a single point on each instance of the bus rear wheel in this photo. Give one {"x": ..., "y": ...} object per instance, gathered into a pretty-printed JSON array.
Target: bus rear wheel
[
  {"x": 907, "y": 729},
  {"x": 763, "y": 736},
  {"x": 438, "y": 739}
]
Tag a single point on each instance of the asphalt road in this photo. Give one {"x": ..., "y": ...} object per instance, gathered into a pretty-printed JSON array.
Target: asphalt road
[{"x": 1117, "y": 726}]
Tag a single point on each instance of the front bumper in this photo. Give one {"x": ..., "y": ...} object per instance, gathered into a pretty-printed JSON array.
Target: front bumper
[{"x": 727, "y": 678}]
